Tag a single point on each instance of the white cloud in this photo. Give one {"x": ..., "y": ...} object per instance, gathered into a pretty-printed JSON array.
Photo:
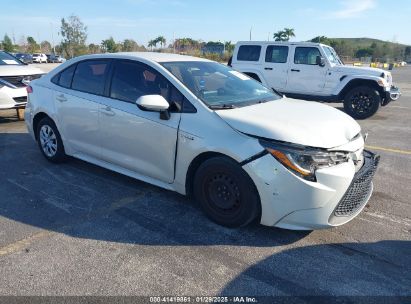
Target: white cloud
[{"x": 353, "y": 8}]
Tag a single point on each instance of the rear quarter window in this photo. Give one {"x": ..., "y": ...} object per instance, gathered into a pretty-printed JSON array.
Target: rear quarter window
[
  {"x": 65, "y": 77},
  {"x": 249, "y": 53}
]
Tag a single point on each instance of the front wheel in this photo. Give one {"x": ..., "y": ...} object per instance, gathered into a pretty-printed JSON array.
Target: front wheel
[
  {"x": 362, "y": 102},
  {"x": 226, "y": 193},
  {"x": 50, "y": 142}
]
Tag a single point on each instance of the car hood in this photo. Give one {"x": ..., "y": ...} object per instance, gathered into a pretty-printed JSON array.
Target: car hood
[
  {"x": 295, "y": 121},
  {"x": 354, "y": 70},
  {"x": 19, "y": 70}
]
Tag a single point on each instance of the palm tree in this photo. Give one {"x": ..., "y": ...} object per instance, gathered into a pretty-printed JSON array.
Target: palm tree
[
  {"x": 280, "y": 36},
  {"x": 152, "y": 43},
  {"x": 161, "y": 40},
  {"x": 289, "y": 32}
]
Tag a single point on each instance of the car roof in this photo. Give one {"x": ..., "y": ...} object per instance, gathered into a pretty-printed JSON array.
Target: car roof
[
  {"x": 151, "y": 56},
  {"x": 306, "y": 43}
]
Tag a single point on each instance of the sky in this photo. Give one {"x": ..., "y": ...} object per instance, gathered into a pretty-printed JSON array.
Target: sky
[{"x": 216, "y": 20}]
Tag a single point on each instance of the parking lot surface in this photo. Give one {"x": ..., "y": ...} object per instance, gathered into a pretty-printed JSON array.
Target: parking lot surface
[{"x": 77, "y": 229}]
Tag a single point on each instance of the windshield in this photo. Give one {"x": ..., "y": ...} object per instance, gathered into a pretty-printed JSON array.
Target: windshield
[
  {"x": 7, "y": 59},
  {"x": 218, "y": 86},
  {"x": 332, "y": 55}
]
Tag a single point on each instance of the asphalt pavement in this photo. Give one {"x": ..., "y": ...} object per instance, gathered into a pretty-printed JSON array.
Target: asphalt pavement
[{"x": 77, "y": 229}]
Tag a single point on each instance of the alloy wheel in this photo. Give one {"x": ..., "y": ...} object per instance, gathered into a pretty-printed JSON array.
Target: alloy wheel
[{"x": 48, "y": 141}]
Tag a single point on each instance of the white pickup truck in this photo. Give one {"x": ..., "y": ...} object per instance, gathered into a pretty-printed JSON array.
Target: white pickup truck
[{"x": 313, "y": 71}]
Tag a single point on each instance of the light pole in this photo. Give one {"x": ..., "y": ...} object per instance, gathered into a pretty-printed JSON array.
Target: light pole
[
  {"x": 52, "y": 38},
  {"x": 251, "y": 31}
]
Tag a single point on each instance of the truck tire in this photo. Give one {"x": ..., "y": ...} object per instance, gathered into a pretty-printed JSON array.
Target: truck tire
[{"x": 362, "y": 102}]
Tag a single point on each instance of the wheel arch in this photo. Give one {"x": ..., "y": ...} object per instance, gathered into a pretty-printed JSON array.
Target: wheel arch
[
  {"x": 36, "y": 120},
  {"x": 200, "y": 159},
  {"x": 360, "y": 82}
]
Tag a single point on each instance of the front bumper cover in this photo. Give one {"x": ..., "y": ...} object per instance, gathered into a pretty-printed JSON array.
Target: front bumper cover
[{"x": 392, "y": 94}]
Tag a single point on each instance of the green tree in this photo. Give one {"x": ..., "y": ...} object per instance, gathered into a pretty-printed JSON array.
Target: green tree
[
  {"x": 74, "y": 34},
  {"x": 289, "y": 32},
  {"x": 280, "y": 36},
  {"x": 152, "y": 44},
  {"x": 363, "y": 52},
  {"x": 32, "y": 45},
  {"x": 109, "y": 46},
  {"x": 7, "y": 44},
  {"x": 129, "y": 45},
  {"x": 94, "y": 48},
  {"x": 161, "y": 40},
  {"x": 45, "y": 46},
  {"x": 229, "y": 47}
]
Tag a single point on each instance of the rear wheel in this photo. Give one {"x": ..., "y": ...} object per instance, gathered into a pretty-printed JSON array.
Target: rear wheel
[
  {"x": 49, "y": 141},
  {"x": 362, "y": 102},
  {"x": 226, "y": 193}
]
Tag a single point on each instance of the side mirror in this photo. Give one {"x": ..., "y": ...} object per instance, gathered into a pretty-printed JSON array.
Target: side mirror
[
  {"x": 320, "y": 61},
  {"x": 154, "y": 103}
]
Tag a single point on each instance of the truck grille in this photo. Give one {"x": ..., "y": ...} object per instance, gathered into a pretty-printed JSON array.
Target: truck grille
[
  {"x": 17, "y": 81},
  {"x": 360, "y": 188}
]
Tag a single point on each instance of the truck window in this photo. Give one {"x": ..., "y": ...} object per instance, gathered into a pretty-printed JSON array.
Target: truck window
[
  {"x": 249, "y": 53},
  {"x": 276, "y": 54},
  {"x": 306, "y": 55}
]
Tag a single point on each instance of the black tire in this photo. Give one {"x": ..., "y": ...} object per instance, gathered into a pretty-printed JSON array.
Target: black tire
[
  {"x": 57, "y": 154},
  {"x": 226, "y": 193},
  {"x": 362, "y": 102}
]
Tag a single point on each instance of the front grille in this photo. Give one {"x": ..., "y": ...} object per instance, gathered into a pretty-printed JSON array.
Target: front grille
[
  {"x": 17, "y": 81},
  {"x": 360, "y": 188}
]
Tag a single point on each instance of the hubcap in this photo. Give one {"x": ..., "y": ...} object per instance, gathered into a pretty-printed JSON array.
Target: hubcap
[
  {"x": 223, "y": 192},
  {"x": 361, "y": 102},
  {"x": 48, "y": 141}
]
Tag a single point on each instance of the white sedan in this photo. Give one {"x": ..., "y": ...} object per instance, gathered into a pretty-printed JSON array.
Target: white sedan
[{"x": 198, "y": 127}]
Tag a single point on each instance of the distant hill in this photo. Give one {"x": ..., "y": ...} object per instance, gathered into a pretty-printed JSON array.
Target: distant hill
[
  {"x": 366, "y": 42},
  {"x": 376, "y": 49}
]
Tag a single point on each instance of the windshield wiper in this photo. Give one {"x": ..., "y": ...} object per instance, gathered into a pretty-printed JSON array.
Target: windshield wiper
[{"x": 222, "y": 107}]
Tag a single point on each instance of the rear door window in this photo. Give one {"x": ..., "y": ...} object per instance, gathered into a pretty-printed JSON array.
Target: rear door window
[
  {"x": 276, "y": 54},
  {"x": 90, "y": 76},
  {"x": 249, "y": 53}
]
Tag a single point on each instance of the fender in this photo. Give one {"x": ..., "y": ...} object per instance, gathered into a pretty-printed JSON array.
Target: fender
[{"x": 346, "y": 80}]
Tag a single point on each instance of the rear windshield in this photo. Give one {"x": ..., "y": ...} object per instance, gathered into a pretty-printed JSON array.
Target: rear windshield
[{"x": 7, "y": 59}]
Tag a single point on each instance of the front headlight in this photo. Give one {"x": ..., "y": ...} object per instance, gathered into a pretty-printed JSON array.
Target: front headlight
[{"x": 304, "y": 161}]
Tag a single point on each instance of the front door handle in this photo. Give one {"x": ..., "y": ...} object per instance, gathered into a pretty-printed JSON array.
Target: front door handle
[
  {"x": 108, "y": 111},
  {"x": 268, "y": 69},
  {"x": 61, "y": 98},
  {"x": 292, "y": 70}
]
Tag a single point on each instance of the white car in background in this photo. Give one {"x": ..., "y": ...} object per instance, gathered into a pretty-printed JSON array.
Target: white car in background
[
  {"x": 15, "y": 76},
  {"x": 198, "y": 127},
  {"x": 39, "y": 58}
]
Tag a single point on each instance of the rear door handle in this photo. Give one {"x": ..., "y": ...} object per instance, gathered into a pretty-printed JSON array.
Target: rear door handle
[
  {"x": 292, "y": 70},
  {"x": 268, "y": 69},
  {"x": 107, "y": 111},
  {"x": 61, "y": 98}
]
